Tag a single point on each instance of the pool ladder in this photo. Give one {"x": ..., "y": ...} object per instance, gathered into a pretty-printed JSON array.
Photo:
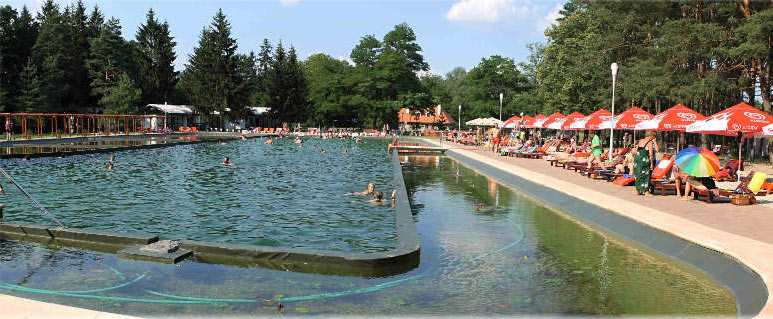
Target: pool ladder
[{"x": 45, "y": 211}]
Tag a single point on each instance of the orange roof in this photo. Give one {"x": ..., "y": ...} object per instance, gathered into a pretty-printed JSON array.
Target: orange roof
[{"x": 424, "y": 116}]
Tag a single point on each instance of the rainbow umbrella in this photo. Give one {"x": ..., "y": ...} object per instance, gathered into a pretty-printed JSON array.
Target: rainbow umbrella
[{"x": 697, "y": 162}]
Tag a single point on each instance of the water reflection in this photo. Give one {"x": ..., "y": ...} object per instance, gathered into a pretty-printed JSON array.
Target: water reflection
[{"x": 518, "y": 259}]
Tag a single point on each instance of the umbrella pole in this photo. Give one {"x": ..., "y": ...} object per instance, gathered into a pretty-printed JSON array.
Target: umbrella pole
[{"x": 740, "y": 144}]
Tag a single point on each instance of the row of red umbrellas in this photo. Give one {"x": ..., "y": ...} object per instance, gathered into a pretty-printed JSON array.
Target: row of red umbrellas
[{"x": 738, "y": 118}]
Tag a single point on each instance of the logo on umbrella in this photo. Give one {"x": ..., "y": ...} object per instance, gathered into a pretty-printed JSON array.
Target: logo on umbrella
[
  {"x": 754, "y": 116},
  {"x": 641, "y": 116},
  {"x": 686, "y": 116}
]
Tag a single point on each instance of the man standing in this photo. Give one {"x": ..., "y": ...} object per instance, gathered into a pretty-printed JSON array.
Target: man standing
[
  {"x": 8, "y": 128},
  {"x": 596, "y": 150}
]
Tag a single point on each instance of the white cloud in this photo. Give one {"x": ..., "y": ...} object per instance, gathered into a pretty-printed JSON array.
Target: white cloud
[
  {"x": 289, "y": 3},
  {"x": 550, "y": 19},
  {"x": 490, "y": 11}
]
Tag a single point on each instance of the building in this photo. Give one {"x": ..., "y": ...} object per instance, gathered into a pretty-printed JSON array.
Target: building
[
  {"x": 424, "y": 118},
  {"x": 177, "y": 116}
]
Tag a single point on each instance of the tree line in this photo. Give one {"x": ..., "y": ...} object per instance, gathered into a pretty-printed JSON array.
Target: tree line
[{"x": 708, "y": 55}]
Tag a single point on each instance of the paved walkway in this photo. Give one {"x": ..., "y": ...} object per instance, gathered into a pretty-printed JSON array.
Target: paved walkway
[
  {"x": 743, "y": 232},
  {"x": 19, "y": 308}
]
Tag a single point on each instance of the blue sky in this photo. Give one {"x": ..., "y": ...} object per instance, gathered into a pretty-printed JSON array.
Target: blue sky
[{"x": 451, "y": 33}]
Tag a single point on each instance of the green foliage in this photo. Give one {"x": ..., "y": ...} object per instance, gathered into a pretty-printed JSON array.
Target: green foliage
[
  {"x": 29, "y": 89},
  {"x": 123, "y": 98},
  {"x": 157, "y": 77},
  {"x": 212, "y": 80},
  {"x": 109, "y": 59}
]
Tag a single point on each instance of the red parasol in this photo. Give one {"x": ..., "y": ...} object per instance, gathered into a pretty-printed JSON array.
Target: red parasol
[
  {"x": 550, "y": 119},
  {"x": 628, "y": 119},
  {"x": 677, "y": 118}
]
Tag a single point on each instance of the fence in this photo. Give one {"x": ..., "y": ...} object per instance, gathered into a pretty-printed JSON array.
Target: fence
[{"x": 57, "y": 125}]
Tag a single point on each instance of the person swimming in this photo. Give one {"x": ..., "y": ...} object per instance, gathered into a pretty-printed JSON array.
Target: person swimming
[
  {"x": 378, "y": 197},
  {"x": 300, "y": 145},
  {"x": 112, "y": 159},
  {"x": 269, "y": 141},
  {"x": 243, "y": 138},
  {"x": 227, "y": 161},
  {"x": 368, "y": 191},
  {"x": 220, "y": 142},
  {"x": 323, "y": 150},
  {"x": 346, "y": 150},
  {"x": 110, "y": 166}
]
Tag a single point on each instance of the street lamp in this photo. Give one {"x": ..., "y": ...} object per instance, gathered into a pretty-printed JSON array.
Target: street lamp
[
  {"x": 500, "y": 105},
  {"x": 460, "y": 118},
  {"x": 612, "y": 127}
]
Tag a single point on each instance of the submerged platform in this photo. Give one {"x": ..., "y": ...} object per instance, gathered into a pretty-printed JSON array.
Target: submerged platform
[{"x": 409, "y": 149}]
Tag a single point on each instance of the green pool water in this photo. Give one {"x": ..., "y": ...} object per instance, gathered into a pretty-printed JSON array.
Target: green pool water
[
  {"x": 273, "y": 195},
  {"x": 514, "y": 257}
]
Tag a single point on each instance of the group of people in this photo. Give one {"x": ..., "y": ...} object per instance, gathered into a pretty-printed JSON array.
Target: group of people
[{"x": 377, "y": 197}]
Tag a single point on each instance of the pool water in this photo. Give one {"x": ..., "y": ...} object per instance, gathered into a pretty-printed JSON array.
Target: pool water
[
  {"x": 512, "y": 257},
  {"x": 273, "y": 195},
  {"x": 101, "y": 144}
]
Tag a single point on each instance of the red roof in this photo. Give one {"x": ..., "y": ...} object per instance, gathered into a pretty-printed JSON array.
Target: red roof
[{"x": 425, "y": 116}]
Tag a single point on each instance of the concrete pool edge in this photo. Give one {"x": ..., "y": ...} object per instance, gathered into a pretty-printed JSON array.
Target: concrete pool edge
[
  {"x": 734, "y": 261},
  {"x": 402, "y": 258}
]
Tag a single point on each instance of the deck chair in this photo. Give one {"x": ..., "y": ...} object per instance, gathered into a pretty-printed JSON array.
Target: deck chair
[{"x": 728, "y": 172}]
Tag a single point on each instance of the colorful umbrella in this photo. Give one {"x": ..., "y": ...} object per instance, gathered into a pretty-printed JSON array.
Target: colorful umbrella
[
  {"x": 628, "y": 119},
  {"x": 697, "y": 162},
  {"x": 677, "y": 118},
  {"x": 550, "y": 119},
  {"x": 591, "y": 122}
]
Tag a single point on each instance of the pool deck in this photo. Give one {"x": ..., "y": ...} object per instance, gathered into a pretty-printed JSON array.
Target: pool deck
[
  {"x": 742, "y": 232},
  {"x": 14, "y": 307}
]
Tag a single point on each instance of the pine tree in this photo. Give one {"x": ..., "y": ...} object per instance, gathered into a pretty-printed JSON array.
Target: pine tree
[
  {"x": 156, "y": 47},
  {"x": 297, "y": 88},
  {"x": 78, "y": 77},
  {"x": 265, "y": 61},
  {"x": 51, "y": 54},
  {"x": 211, "y": 80},
  {"x": 276, "y": 93},
  {"x": 123, "y": 98},
  {"x": 29, "y": 84},
  {"x": 109, "y": 59}
]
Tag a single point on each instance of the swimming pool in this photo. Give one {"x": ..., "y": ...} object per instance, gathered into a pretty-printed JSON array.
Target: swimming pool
[
  {"x": 513, "y": 257},
  {"x": 274, "y": 195}
]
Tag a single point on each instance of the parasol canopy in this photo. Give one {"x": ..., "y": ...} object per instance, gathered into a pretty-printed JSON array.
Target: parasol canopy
[
  {"x": 550, "y": 119},
  {"x": 741, "y": 117},
  {"x": 511, "y": 122},
  {"x": 768, "y": 130},
  {"x": 627, "y": 120},
  {"x": 531, "y": 122},
  {"x": 489, "y": 121},
  {"x": 676, "y": 118},
  {"x": 571, "y": 118},
  {"x": 697, "y": 162},
  {"x": 592, "y": 121}
]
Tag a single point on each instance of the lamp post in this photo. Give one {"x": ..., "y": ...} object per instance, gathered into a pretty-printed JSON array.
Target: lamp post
[
  {"x": 460, "y": 118},
  {"x": 500, "y": 105},
  {"x": 612, "y": 127}
]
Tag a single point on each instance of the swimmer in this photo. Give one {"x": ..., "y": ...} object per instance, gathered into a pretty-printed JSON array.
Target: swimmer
[
  {"x": 244, "y": 138},
  {"x": 346, "y": 151},
  {"x": 112, "y": 159},
  {"x": 357, "y": 140},
  {"x": 394, "y": 194},
  {"x": 323, "y": 150},
  {"x": 269, "y": 141},
  {"x": 110, "y": 166},
  {"x": 227, "y": 161},
  {"x": 220, "y": 142},
  {"x": 378, "y": 197},
  {"x": 368, "y": 191},
  {"x": 300, "y": 145}
]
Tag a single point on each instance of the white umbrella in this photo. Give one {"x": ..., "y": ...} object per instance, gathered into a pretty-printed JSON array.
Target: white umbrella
[{"x": 484, "y": 122}]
